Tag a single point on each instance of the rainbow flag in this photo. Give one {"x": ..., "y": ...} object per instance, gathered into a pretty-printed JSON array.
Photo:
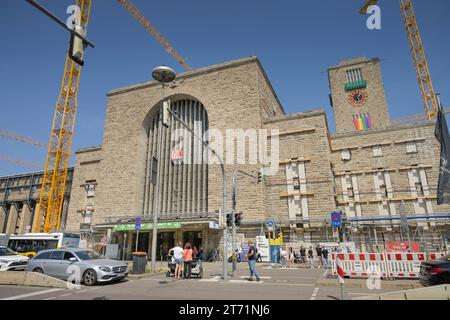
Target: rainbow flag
[
  {"x": 369, "y": 121},
  {"x": 356, "y": 123},
  {"x": 361, "y": 123}
]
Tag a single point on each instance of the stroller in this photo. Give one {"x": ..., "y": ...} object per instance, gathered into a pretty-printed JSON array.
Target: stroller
[{"x": 196, "y": 268}]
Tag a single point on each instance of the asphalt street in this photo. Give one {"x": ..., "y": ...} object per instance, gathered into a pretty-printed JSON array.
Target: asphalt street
[{"x": 277, "y": 284}]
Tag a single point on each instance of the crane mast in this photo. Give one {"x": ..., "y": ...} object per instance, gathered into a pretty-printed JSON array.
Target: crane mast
[
  {"x": 420, "y": 61},
  {"x": 136, "y": 14},
  {"x": 51, "y": 196}
]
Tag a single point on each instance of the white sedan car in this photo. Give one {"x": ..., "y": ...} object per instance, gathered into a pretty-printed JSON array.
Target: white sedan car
[{"x": 11, "y": 261}]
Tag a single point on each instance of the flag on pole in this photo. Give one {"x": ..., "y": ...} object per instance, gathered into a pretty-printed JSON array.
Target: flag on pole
[{"x": 442, "y": 135}]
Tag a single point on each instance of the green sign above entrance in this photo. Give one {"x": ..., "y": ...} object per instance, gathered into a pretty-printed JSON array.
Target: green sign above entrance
[{"x": 147, "y": 226}]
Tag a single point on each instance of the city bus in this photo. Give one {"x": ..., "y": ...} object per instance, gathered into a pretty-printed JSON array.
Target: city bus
[{"x": 31, "y": 243}]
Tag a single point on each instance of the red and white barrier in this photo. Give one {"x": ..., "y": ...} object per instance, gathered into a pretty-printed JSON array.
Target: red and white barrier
[
  {"x": 392, "y": 264},
  {"x": 404, "y": 265},
  {"x": 340, "y": 270},
  {"x": 436, "y": 255},
  {"x": 360, "y": 264}
]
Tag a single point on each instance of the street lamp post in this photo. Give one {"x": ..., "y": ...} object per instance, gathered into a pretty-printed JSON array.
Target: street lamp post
[
  {"x": 224, "y": 196},
  {"x": 164, "y": 75}
]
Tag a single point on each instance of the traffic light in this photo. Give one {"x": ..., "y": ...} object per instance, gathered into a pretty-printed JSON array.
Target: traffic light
[
  {"x": 229, "y": 220},
  {"x": 259, "y": 178},
  {"x": 276, "y": 232},
  {"x": 166, "y": 113},
  {"x": 238, "y": 218},
  {"x": 77, "y": 46}
]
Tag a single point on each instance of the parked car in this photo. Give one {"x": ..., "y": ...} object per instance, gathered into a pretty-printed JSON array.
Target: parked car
[
  {"x": 11, "y": 260},
  {"x": 93, "y": 268},
  {"x": 435, "y": 272}
]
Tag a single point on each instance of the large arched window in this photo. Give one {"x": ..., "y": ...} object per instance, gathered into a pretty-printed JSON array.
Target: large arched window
[{"x": 184, "y": 171}]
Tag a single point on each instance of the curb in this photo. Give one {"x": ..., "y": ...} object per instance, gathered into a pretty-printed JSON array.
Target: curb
[{"x": 364, "y": 285}]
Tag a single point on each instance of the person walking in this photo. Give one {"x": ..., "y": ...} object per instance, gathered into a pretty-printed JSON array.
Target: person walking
[
  {"x": 177, "y": 255},
  {"x": 283, "y": 258},
  {"x": 325, "y": 258},
  {"x": 291, "y": 257},
  {"x": 252, "y": 255},
  {"x": 194, "y": 252},
  {"x": 319, "y": 256},
  {"x": 311, "y": 258},
  {"x": 200, "y": 254},
  {"x": 187, "y": 258},
  {"x": 303, "y": 256}
]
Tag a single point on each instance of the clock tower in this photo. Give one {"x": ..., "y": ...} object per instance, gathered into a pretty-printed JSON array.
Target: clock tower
[{"x": 357, "y": 95}]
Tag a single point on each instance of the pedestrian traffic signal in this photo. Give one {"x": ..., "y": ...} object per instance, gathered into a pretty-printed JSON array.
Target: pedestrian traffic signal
[
  {"x": 238, "y": 218},
  {"x": 77, "y": 46},
  {"x": 229, "y": 220}
]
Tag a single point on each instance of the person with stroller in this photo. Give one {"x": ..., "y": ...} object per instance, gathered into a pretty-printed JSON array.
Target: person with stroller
[
  {"x": 177, "y": 256},
  {"x": 187, "y": 258}
]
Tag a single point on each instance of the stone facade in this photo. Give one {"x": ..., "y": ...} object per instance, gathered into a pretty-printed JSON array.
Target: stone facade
[
  {"x": 19, "y": 195},
  {"x": 347, "y": 73},
  {"x": 317, "y": 173}
]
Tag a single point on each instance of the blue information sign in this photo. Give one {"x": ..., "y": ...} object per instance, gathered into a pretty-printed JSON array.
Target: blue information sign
[
  {"x": 137, "y": 223},
  {"x": 336, "y": 219}
]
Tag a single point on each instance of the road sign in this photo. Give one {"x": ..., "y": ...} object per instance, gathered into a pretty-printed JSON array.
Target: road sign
[
  {"x": 137, "y": 223},
  {"x": 336, "y": 219},
  {"x": 177, "y": 156}
]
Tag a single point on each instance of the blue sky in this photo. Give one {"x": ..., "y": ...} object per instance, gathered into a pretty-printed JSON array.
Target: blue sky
[{"x": 295, "y": 40}]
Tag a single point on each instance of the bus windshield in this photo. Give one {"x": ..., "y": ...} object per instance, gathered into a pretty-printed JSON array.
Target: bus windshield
[{"x": 32, "y": 245}]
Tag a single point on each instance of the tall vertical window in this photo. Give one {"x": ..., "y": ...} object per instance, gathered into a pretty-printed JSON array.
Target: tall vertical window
[
  {"x": 183, "y": 168},
  {"x": 354, "y": 75}
]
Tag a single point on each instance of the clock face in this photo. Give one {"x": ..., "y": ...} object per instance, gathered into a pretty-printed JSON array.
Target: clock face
[{"x": 357, "y": 98}]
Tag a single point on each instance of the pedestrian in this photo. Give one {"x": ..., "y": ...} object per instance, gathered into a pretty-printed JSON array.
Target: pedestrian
[
  {"x": 283, "y": 257},
  {"x": 325, "y": 257},
  {"x": 291, "y": 256},
  {"x": 311, "y": 258},
  {"x": 319, "y": 256},
  {"x": 195, "y": 252},
  {"x": 187, "y": 258},
  {"x": 303, "y": 255},
  {"x": 200, "y": 254},
  {"x": 252, "y": 256},
  {"x": 214, "y": 255},
  {"x": 177, "y": 256}
]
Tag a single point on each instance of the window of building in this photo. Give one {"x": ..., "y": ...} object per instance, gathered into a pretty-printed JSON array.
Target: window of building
[
  {"x": 419, "y": 189},
  {"x": 354, "y": 75},
  {"x": 87, "y": 216},
  {"x": 90, "y": 189},
  {"x": 346, "y": 155},
  {"x": 411, "y": 147},
  {"x": 351, "y": 192},
  {"x": 377, "y": 151},
  {"x": 383, "y": 190},
  {"x": 296, "y": 183}
]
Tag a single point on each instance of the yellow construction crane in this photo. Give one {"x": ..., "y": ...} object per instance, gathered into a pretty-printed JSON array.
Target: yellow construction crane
[
  {"x": 135, "y": 13},
  {"x": 51, "y": 196},
  {"x": 418, "y": 53}
]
